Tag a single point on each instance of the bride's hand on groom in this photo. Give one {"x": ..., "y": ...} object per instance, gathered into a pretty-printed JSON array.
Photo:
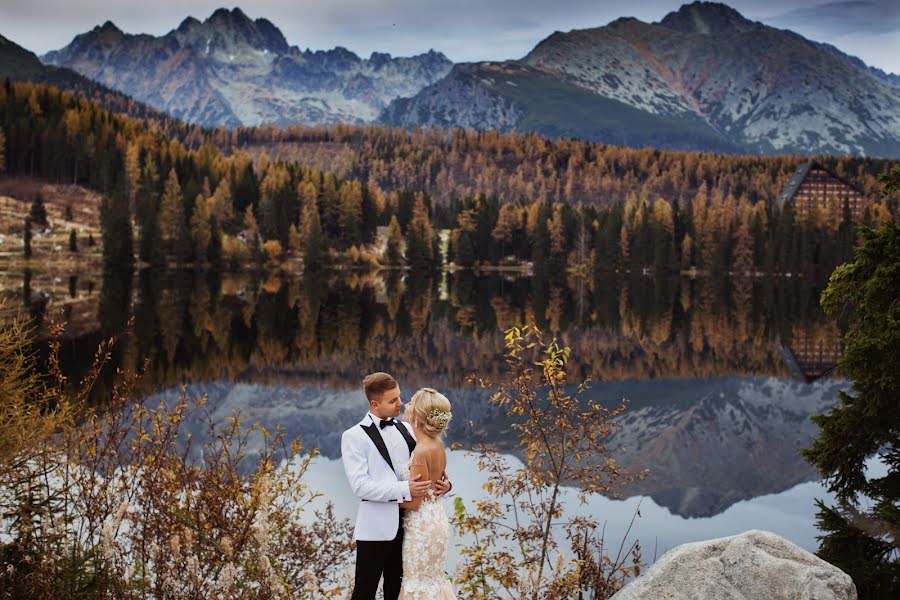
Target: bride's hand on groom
[
  {"x": 418, "y": 488},
  {"x": 442, "y": 486}
]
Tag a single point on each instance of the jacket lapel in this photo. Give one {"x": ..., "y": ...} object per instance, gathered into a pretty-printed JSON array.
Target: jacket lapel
[
  {"x": 410, "y": 441},
  {"x": 372, "y": 432}
]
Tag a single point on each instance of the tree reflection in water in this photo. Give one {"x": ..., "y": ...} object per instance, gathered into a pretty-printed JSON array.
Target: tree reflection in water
[{"x": 713, "y": 413}]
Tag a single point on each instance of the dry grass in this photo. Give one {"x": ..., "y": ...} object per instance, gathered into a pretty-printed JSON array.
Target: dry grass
[{"x": 16, "y": 195}]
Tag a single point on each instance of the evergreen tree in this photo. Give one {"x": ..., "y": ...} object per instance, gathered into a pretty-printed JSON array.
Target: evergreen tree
[
  {"x": 275, "y": 205},
  {"x": 251, "y": 229},
  {"x": 419, "y": 242},
  {"x": 350, "y": 214},
  {"x": 146, "y": 213},
  {"x": 742, "y": 260},
  {"x": 861, "y": 537},
  {"x": 540, "y": 239},
  {"x": 115, "y": 222},
  {"x": 663, "y": 232},
  {"x": 294, "y": 240},
  {"x": 463, "y": 248},
  {"x": 393, "y": 254},
  {"x": 171, "y": 221},
  {"x": 507, "y": 223},
  {"x": 311, "y": 234},
  {"x": 369, "y": 223},
  {"x": 329, "y": 207},
  {"x": 200, "y": 229},
  {"x": 38, "y": 212},
  {"x": 27, "y": 238}
]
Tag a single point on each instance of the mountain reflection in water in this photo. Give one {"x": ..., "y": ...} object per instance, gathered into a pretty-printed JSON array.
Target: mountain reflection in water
[
  {"x": 721, "y": 376},
  {"x": 708, "y": 443}
]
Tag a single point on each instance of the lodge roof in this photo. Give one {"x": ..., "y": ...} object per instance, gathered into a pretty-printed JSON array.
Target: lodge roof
[{"x": 800, "y": 175}]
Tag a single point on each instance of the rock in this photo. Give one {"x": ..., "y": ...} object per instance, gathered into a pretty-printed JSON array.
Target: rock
[{"x": 750, "y": 566}]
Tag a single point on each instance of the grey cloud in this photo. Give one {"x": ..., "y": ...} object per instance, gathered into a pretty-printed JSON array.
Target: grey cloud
[
  {"x": 464, "y": 30},
  {"x": 846, "y": 17}
]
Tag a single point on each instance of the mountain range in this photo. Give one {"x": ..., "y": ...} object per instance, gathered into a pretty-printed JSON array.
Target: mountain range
[
  {"x": 230, "y": 70},
  {"x": 703, "y": 78}
]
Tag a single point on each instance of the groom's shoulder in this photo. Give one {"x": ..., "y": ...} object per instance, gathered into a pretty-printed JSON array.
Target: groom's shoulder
[{"x": 355, "y": 430}]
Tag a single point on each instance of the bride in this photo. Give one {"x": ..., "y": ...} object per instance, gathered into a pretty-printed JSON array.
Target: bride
[{"x": 425, "y": 525}]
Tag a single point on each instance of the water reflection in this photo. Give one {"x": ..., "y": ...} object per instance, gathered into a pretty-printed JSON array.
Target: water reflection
[
  {"x": 722, "y": 376},
  {"x": 709, "y": 443},
  {"x": 208, "y": 326}
]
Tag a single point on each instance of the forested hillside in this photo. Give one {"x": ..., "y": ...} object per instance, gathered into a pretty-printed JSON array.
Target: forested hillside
[{"x": 250, "y": 195}]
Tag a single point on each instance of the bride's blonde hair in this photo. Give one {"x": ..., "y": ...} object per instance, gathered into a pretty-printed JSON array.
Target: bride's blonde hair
[{"x": 432, "y": 411}]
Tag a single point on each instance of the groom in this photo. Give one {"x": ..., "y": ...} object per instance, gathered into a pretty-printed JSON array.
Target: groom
[{"x": 372, "y": 451}]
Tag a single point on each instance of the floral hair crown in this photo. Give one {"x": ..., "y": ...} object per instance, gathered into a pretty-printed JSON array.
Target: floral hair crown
[{"x": 440, "y": 417}]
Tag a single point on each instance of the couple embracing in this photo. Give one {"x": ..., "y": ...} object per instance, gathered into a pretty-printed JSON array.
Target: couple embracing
[{"x": 396, "y": 467}]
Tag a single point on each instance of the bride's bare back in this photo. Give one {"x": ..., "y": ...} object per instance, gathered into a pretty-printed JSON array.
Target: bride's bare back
[{"x": 429, "y": 460}]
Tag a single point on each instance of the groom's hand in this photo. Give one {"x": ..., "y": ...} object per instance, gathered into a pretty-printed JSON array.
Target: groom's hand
[
  {"x": 443, "y": 485},
  {"x": 418, "y": 488}
]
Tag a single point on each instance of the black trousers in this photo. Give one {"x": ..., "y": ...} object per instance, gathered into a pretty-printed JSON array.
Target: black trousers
[{"x": 374, "y": 559}]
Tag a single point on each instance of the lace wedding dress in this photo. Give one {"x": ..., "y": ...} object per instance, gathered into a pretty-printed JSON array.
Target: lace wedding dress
[{"x": 426, "y": 534}]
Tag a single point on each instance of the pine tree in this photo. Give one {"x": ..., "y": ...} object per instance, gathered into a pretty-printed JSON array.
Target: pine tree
[
  {"x": 663, "y": 232},
  {"x": 507, "y": 223},
  {"x": 200, "y": 229},
  {"x": 463, "y": 248},
  {"x": 251, "y": 229},
  {"x": 27, "y": 238},
  {"x": 275, "y": 204},
  {"x": 393, "y": 253},
  {"x": 311, "y": 234},
  {"x": 171, "y": 220},
  {"x": 115, "y": 221},
  {"x": 350, "y": 214},
  {"x": 38, "y": 212},
  {"x": 146, "y": 214},
  {"x": 419, "y": 242},
  {"x": 687, "y": 252},
  {"x": 221, "y": 207},
  {"x": 294, "y": 240},
  {"x": 860, "y": 537},
  {"x": 742, "y": 258}
]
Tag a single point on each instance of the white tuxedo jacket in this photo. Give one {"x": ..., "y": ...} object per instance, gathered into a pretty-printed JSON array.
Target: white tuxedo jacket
[{"x": 373, "y": 480}]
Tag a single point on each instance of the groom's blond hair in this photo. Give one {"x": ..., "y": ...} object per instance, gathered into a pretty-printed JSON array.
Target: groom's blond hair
[{"x": 376, "y": 384}]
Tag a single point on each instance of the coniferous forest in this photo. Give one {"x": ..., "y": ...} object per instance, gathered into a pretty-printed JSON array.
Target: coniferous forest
[{"x": 248, "y": 196}]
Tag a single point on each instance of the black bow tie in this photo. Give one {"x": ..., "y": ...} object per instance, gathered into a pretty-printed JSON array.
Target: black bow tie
[{"x": 387, "y": 422}]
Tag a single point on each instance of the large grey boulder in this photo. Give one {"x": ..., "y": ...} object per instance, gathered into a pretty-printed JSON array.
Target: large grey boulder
[{"x": 755, "y": 565}]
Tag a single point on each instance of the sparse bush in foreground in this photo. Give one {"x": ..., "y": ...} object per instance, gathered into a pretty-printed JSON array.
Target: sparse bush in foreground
[
  {"x": 524, "y": 546},
  {"x": 113, "y": 504}
]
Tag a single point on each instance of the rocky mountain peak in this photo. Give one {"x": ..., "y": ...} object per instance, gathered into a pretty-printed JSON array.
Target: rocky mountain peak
[
  {"x": 708, "y": 18},
  {"x": 108, "y": 27},
  {"x": 188, "y": 24},
  {"x": 108, "y": 33},
  {"x": 229, "y": 30},
  {"x": 230, "y": 70}
]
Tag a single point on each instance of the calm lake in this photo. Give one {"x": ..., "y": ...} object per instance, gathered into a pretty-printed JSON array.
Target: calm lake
[{"x": 721, "y": 376}]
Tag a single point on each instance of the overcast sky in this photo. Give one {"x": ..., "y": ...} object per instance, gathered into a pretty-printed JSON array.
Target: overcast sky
[{"x": 464, "y": 30}]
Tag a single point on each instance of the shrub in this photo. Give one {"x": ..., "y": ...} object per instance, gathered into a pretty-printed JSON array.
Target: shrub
[{"x": 517, "y": 550}]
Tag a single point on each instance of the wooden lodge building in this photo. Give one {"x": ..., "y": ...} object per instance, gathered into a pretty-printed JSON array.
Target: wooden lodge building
[
  {"x": 810, "y": 357},
  {"x": 814, "y": 185}
]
